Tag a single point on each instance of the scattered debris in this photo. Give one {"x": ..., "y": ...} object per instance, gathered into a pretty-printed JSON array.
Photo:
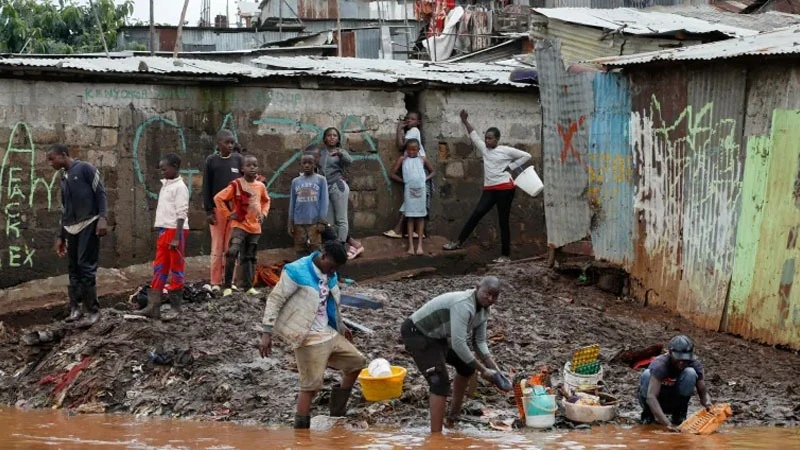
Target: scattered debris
[{"x": 206, "y": 365}]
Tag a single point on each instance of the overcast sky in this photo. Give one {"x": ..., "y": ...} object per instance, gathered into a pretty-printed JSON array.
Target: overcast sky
[{"x": 169, "y": 11}]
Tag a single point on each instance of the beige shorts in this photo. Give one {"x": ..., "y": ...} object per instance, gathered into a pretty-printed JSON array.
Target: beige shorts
[{"x": 338, "y": 353}]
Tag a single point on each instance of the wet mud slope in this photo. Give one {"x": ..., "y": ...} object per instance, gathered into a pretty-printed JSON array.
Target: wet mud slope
[{"x": 205, "y": 364}]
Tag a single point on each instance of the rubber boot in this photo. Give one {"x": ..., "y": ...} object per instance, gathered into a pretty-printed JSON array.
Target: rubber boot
[
  {"x": 153, "y": 308},
  {"x": 302, "y": 422},
  {"x": 90, "y": 304},
  {"x": 681, "y": 409},
  {"x": 176, "y": 300},
  {"x": 338, "y": 404},
  {"x": 75, "y": 310}
]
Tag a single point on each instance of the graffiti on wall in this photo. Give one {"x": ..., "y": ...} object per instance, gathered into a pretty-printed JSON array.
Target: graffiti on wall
[
  {"x": 315, "y": 137},
  {"x": 708, "y": 154},
  {"x": 19, "y": 184}
]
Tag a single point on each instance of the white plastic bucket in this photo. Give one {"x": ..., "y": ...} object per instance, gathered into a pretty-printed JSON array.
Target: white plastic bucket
[
  {"x": 540, "y": 421},
  {"x": 540, "y": 410},
  {"x": 529, "y": 182},
  {"x": 574, "y": 381}
]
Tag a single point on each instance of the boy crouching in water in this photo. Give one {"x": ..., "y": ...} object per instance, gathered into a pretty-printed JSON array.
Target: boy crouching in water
[
  {"x": 303, "y": 309},
  {"x": 172, "y": 223},
  {"x": 245, "y": 203},
  {"x": 308, "y": 207}
]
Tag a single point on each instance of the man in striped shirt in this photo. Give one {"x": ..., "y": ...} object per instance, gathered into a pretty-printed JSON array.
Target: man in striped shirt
[{"x": 436, "y": 335}]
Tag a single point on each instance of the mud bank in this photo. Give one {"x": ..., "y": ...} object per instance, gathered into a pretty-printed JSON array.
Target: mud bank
[{"x": 206, "y": 365}]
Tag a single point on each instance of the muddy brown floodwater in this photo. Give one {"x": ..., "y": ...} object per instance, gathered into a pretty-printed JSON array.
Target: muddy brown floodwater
[{"x": 57, "y": 430}]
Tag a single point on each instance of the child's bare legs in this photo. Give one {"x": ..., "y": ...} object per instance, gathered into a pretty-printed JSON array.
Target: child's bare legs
[
  {"x": 420, "y": 224},
  {"x": 399, "y": 227},
  {"x": 410, "y": 230}
]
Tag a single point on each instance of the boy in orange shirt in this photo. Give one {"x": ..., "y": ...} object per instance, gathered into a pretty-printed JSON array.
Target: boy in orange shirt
[{"x": 245, "y": 203}]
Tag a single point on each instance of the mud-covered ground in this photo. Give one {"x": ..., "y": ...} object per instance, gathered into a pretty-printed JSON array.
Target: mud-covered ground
[{"x": 540, "y": 319}]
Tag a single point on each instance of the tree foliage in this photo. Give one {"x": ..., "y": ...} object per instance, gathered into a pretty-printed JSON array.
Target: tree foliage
[{"x": 42, "y": 26}]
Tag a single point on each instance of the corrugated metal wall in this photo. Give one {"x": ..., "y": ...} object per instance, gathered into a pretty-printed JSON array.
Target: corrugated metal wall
[
  {"x": 698, "y": 196},
  {"x": 567, "y": 102},
  {"x": 610, "y": 4},
  {"x": 763, "y": 302},
  {"x": 204, "y": 39},
  {"x": 610, "y": 169},
  {"x": 317, "y": 9},
  {"x": 713, "y": 174},
  {"x": 368, "y": 43}
]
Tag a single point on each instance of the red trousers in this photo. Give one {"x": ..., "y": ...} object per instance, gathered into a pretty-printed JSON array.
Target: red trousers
[{"x": 169, "y": 264}]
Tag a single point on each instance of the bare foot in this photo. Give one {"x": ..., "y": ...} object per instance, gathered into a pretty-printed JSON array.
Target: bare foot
[
  {"x": 411, "y": 251},
  {"x": 420, "y": 251}
]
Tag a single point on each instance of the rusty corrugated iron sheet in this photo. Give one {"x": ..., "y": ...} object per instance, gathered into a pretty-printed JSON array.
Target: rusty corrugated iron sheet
[
  {"x": 781, "y": 42},
  {"x": 568, "y": 103},
  {"x": 763, "y": 303},
  {"x": 580, "y": 43},
  {"x": 714, "y": 164},
  {"x": 658, "y": 143},
  {"x": 610, "y": 167}
]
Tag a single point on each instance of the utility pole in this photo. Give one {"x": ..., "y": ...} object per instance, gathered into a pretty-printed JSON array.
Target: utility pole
[
  {"x": 178, "y": 42},
  {"x": 339, "y": 28},
  {"x": 152, "y": 30},
  {"x": 100, "y": 27}
]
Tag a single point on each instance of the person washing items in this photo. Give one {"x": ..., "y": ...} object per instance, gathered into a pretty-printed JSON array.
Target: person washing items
[
  {"x": 436, "y": 335},
  {"x": 245, "y": 203},
  {"x": 308, "y": 206},
  {"x": 666, "y": 387},
  {"x": 172, "y": 224},
  {"x": 303, "y": 309}
]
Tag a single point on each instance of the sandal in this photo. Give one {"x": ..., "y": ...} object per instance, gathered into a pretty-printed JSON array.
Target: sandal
[
  {"x": 392, "y": 234},
  {"x": 452, "y": 245},
  {"x": 354, "y": 252}
]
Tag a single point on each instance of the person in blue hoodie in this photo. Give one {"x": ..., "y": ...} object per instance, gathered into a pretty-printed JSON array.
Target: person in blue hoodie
[
  {"x": 84, "y": 212},
  {"x": 303, "y": 309}
]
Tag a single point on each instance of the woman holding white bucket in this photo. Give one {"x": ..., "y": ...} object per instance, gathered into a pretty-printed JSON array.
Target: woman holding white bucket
[{"x": 499, "y": 161}]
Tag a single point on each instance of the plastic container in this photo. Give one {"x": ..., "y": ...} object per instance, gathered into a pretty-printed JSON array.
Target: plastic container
[
  {"x": 376, "y": 389},
  {"x": 540, "y": 410},
  {"x": 529, "y": 182},
  {"x": 379, "y": 368},
  {"x": 704, "y": 422},
  {"x": 575, "y": 381},
  {"x": 588, "y": 414}
]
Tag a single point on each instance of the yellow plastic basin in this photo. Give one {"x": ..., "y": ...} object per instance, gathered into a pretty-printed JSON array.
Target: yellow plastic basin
[{"x": 377, "y": 389}]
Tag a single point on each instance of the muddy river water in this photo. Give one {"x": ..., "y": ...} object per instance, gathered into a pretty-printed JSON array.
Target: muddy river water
[{"x": 45, "y": 429}]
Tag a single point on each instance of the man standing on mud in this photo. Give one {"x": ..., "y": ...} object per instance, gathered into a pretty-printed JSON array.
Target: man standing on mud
[
  {"x": 436, "y": 335},
  {"x": 668, "y": 384},
  {"x": 303, "y": 309},
  {"x": 84, "y": 211}
]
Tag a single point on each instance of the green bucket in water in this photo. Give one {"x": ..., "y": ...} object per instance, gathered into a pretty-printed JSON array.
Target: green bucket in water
[{"x": 540, "y": 410}]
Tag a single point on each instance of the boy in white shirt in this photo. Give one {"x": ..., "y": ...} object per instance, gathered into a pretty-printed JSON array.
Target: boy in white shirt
[{"x": 172, "y": 224}]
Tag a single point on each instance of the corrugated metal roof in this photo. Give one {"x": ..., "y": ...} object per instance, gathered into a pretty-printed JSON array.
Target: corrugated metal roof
[
  {"x": 383, "y": 70},
  {"x": 781, "y": 42},
  {"x": 392, "y": 71},
  {"x": 638, "y": 22},
  {"x": 768, "y": 21}
]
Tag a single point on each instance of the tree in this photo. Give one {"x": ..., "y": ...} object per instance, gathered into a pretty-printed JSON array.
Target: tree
[{"x": 41, "y": 26}]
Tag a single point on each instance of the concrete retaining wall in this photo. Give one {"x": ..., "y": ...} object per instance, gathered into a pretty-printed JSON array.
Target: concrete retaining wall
[{"x": 124, "y": 128}]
